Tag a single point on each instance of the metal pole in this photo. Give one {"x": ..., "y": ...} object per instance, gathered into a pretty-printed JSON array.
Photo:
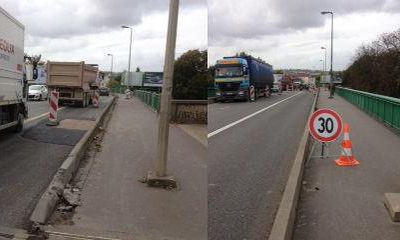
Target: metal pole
[
  {"x": 331, "y": 71},
  {"x": 112, "y": 63},
  {"x": 130, "y": 53},
  {"x": 325, "y": 61}
]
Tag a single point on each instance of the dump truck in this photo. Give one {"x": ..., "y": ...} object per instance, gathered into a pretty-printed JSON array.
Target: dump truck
[
  {"x": 13, "y": 108},
  {"x": 76, "y": 82},
  {"x": 242, "y": 78}
]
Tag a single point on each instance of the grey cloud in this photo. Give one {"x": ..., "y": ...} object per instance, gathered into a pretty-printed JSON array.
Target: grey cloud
[
  {"x": 255, "y": 18},
  {"x": 68, "y": 18}
]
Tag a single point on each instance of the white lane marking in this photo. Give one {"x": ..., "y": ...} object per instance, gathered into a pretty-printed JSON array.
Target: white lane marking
[
  {"x": 40, "y": 116},
  {"x": 211, "y": 134}
]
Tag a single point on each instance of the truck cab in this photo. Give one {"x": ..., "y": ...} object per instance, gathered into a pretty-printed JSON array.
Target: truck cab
[{"x": 232, "y": 79}]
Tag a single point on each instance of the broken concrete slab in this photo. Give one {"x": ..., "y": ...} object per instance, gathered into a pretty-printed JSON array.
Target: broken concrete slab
[{"x": 392, "y": 204}]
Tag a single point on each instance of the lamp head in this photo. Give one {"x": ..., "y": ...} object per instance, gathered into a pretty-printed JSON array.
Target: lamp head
[
  {"x": 125, "y": 26},
  {"x": 326, "y": 12}
]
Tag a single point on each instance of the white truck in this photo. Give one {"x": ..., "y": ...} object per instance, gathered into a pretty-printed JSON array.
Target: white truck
[{"x": 13, "y": 109}]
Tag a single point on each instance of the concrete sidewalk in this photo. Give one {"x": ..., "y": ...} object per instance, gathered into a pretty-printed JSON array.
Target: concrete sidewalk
[
  {"x": 116, "y": 205},
  {"x": 346, "y": 203}
]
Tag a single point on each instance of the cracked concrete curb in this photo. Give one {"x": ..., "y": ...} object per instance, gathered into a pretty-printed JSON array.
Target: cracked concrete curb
[
  {"x": 50, "y": 197},
  {"x": 282, "y": 228}
]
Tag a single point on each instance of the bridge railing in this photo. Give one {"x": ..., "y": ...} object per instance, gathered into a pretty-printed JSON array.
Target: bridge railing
[
  {"x": 382, "y": 107},
  {"x": 151, "y": 99}
]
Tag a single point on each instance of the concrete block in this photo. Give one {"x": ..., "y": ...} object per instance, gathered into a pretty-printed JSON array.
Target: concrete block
[{"x": 392, "y": 204}]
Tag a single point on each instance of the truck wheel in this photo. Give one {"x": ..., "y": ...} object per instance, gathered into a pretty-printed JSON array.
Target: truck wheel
[
  {"x": 252, "y": 95},
  {"x": 18, "y": 128}
]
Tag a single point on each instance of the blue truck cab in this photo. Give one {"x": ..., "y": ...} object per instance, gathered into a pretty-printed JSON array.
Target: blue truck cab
[{"x": 242, "y": 78}]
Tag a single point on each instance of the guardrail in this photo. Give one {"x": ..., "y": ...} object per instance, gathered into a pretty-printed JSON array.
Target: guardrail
[
  {"x": 152, "y": 99},
  {"x": 382, "y": 107},
  {"x": 120, "y": 89},
  {"x": 211, "y": 92}
]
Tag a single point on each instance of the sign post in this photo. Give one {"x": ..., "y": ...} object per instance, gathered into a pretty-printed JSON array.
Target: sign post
[{"x": 325, "y": 126}]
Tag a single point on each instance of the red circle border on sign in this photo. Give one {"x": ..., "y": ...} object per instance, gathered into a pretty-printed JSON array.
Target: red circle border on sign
[{"x": 315, "y": 135}]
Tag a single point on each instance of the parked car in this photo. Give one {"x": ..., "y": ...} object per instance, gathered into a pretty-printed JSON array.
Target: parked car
[
  {"x": 104, "y": 91},
  {"x": 38, "y": 92}
]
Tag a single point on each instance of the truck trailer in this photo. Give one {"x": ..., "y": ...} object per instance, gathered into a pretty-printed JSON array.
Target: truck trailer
[
  {"x": 13, "y": 108},
  {"x": 242, "y": 78},
  {"x": 75, "y": 82}
]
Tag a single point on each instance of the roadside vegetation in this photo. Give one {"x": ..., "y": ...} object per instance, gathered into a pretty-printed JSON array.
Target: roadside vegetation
[
  {"x": 376, "y": 66},
  {"x": 191, "y": 76}
]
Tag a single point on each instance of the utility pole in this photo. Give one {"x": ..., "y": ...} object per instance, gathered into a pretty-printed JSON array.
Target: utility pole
[
  {"x": 324, "y": 48},
  {"x": 331, "y": 70},
  {"x": 111, "y": 66},
  {"x": 160, "y": 177},
  {"x": 130, "y": 52}
]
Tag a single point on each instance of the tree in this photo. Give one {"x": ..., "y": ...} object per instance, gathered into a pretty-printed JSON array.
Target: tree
[
  {"x": 191, "y": 75},
  {"x": 376, "y": 66}
]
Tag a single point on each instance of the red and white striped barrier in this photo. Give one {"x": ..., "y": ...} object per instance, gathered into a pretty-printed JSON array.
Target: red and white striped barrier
[
  {"x": 53, "y": 108},
  {"x": 95, "y": 100},
  {"x": 252, "y": 93}
]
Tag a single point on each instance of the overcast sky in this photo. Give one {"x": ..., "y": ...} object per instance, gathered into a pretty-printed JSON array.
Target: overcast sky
[
  {"x": 290, "y": 33},
  {"x": 86, "y": 30}
]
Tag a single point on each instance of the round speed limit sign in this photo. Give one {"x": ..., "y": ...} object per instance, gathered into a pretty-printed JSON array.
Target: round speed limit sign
[{"x": 325, "y": 125}]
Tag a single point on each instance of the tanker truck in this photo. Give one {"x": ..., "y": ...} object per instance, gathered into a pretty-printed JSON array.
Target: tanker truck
[{"x": 242, "y": 78}]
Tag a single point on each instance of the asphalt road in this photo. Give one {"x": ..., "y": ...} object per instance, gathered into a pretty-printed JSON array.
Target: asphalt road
[
  {"x": 248, "y": 163},
  {"x": 37, "y": 108},
  {"x": 28, "y": 161}
]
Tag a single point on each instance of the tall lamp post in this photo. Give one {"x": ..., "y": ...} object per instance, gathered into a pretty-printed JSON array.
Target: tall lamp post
[
  {"x": 130, "y": 52},
  {"x": 323, "y": 64},
  {"x": 324, "y": 48},
  {"x": 112, "y": 63},
  {"x": 331, "y": 71}
]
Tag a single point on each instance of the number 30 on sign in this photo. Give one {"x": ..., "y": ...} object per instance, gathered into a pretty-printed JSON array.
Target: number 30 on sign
[{"x": 325, "y": 125}]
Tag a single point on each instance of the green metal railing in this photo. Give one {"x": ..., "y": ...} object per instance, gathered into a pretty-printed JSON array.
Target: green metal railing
[
  {"x": 152, "y": 99},
  {"x": 384, "y": 108},
  {"x": 120, "y": 89},
  {"x": 211, "y": 92}
]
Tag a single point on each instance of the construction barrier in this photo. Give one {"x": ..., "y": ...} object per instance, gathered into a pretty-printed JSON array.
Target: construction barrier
[
  {"x": 151, "y": 99},
  {"x": 382, "y": 107},
  {"x": 53, "y": 121},
  {"x": 95, "y": 100}
]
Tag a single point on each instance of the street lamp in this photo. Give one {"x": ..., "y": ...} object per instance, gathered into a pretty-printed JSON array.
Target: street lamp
[
  {"x": 130, "y": 52},
  {"x": 112, "y": 63},
  {"x": 324, "y": 48},
  {"x": 323, "y": 64},
  {"x": 331, "y": 71}
]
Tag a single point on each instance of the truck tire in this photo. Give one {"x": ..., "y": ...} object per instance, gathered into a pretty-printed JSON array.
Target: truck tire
[{"x": 18, "y": 128}]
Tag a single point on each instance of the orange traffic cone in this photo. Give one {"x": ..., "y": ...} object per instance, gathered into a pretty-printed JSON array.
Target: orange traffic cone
[{"x": 346, "y": 156}]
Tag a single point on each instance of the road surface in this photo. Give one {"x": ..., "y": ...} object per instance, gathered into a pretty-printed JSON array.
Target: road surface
[
  {"x": 28, "y": 161},
  {"x": 248, "y": 163}
]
